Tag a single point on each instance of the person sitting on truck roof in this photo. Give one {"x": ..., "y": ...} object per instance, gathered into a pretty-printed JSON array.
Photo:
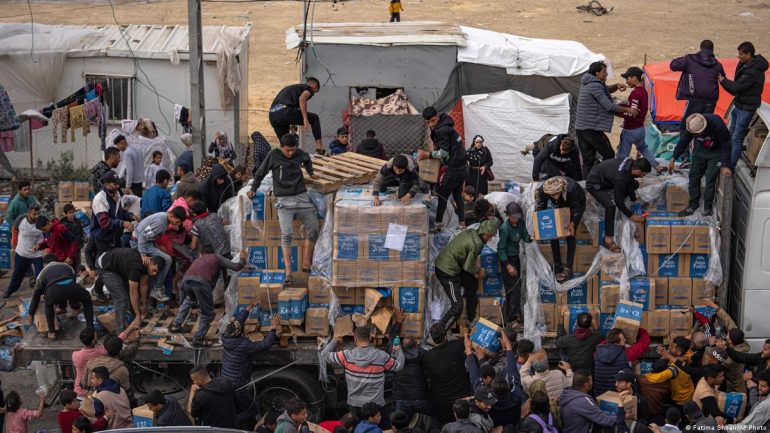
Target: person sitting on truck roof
[
  {"x": 612, "y": 356},
  {"x": 610, "y": 182},
  {"x": 710, "y": 152},
  {"x": 168, "y": 412},
  {"x": 401, "y": 171},
  {"x": 198, "y": 285},
  {"x": 238, "y": 352},
  {"x": 365, "y": 368},
  {"x": 563, "y": 192},
  {"x": 579, "y": 347},
  {"x": 213, "y": 403},
  {"x": 58, "y": 282}
]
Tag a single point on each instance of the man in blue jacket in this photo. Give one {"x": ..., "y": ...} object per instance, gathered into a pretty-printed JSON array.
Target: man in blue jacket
[
  {"x": 698, "y": 84},
  {"x": 236, "y": 362},
  {"x": 579, "y": 412}
]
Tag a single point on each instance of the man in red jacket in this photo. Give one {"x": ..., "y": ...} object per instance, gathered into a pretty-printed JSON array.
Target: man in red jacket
[{"x": 59, "y": 240}]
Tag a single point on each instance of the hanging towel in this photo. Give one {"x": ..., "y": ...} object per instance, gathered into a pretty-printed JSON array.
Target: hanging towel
[
  {"x": 93, "y": 111},
  {"x": 78, "y": 120},
  {"x": 8, "y": 119},
  {"x": 22, "y": 138},
  {"x": 59, "y": 119},
  {"x": 91, "y": 95},
  {"x": 7, "y": 143}
]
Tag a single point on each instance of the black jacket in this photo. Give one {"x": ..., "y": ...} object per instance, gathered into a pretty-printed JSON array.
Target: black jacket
[
  {"x": 575, "y": 200},
  {"x": 748, "y": 84},
  {"x": 750, "y": 359},
  {"x": 288, "y": 179},
  {"x": 212, "y": 193},
  {"x": 410, "y": 383},
  {"x": 172, "y": 414},
  {"x": 569, "y": 164},
  {"x": 461, "y": 426},
  {"x": 238, "y": 352},
  {"x": 716, "y": 136},
  {"x": 579, "y": 347},
  {"x": 214, "y": 405},
  {"x": 615, "y": 174},
  {"x": 371, "y": 147},
  {"x": 445, "y": 369},
  {"x": 446, "y": 138}
]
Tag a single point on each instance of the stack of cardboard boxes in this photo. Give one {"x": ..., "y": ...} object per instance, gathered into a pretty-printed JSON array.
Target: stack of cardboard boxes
[
  {"x": 261, "y": 234},
  {"x": 77, "y": 193}
]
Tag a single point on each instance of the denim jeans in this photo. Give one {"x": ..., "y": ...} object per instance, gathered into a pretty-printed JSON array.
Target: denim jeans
[
  {"x": 203, "y": 294},
  {"x": 634, "y": 136},
  {"x": 739, "y": 126},
  {"x": 411, "y": 407},
  {"x": 149, "y": 249},
  {"x": 21, "y": 266},
  {"x": 121, "y": 297}
]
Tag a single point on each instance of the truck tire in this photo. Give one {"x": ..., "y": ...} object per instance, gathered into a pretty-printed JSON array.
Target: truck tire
[{"x": 275, "y": 390}]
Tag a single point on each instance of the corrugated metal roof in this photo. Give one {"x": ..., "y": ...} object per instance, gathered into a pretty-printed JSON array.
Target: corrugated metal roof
[
  {"x": 381, "y": 34},
  {"x": 152, "y": 41}
]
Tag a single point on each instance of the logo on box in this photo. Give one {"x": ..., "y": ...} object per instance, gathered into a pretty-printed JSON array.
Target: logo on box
[
  {"x": 347, "y": 246},
  {"x": 409, "y": 299},
  {"x": 377, "y": 250},
  {"x": 258, "y": 257},
  {"x": 411, "y": 251}
]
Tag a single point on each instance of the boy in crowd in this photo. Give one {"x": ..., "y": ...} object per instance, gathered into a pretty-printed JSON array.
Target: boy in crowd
[
  {"x": 401, "y": 171},
  {"x": 512, "y": 232},
  {"x": 340, "y": 143},
  {"x": 633, "y": 124},
  {"x": 146, "y": 234},
  {"x": 157, "y": 199},
  {"x": 370, "y": 146}
]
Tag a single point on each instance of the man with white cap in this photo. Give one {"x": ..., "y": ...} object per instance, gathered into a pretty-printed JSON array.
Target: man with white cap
[
  {"x": 563, "y": 192},
  {"x": 710, "y": 152}
]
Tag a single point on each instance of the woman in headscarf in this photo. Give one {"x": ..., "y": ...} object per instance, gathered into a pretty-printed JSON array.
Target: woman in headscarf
[
  {"x": 479, "y": 161},
  {"x": 222, "y": 147},
  {"x": 560, "y": 192},
  {"x": 216, "y": 188}
]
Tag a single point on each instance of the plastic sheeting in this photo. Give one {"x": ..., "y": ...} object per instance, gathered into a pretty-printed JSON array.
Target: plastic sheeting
[
  {"x": 509, "y": 121},
  {"x": 526, "y": 56},
  {"x": 147, "y": 146}
]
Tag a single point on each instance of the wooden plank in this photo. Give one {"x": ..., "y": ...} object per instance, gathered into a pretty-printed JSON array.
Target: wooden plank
[
  {"x": 363, "y": 158},
  {"x": 363, "y": 164},
  {"x": 343, "y": 166}
]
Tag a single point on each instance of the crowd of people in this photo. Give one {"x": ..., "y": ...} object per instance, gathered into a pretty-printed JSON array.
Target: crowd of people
[{"x": 147, "y": 246}]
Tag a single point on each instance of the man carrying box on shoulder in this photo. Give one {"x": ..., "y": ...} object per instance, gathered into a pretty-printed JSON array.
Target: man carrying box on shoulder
[
  {"x": 610, "y": 183},
  {"x": 562, "y": 192}
]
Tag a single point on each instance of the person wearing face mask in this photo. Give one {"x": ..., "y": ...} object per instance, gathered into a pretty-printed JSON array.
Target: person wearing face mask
[
  {"x": 479, "y": 163},
  {"x": 555, "y": 380}
]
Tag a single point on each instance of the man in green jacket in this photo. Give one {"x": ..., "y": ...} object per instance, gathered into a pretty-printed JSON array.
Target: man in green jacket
[
  {"x": 456, "y": 269},
  {"x": 21, "y": 203},
  {"x": 512, "y": 232}
]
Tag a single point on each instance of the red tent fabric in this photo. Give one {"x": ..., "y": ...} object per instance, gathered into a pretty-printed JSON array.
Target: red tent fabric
[{"x": 663, "y": 81}]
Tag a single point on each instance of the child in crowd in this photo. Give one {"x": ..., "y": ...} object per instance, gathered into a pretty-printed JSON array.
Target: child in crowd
[
  {"x": 370, "y": 146},
  {"x": 75, "y": 228},
  {"x": 340, "y": 143},
  {"x": 469, "y": 197},
  {"x": 16, "y": 417},
  {"x": 240, "y": 176},
  {"x": 511, "y": 233},
  {"x": 371, "y": 417},
  {"x": 71, "y": 412},
  {"x": 158, "y": 198},
  {"x": 153, "y": 168}
]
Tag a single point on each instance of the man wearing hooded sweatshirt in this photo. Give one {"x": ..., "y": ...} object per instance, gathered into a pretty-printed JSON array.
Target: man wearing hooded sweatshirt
[
  {"x": 559, "y": 157},
  {"x": 168, "y": 412},
  {"x": 217, "y": 188},
  {"x": 238, "y": 352},
  {"x": 456, "y": 269},
  {"x": 760, "y": 404},
  {"x": 613, "y": 356},
  {"x": 112, "y": 397},
  {"x": 445, "y": 371},
  {"x": 21, "y": 202},
  {"x": 698, "y": 84},
  {"x": 294, "y": 418},
  {"x": 187, "y": 181},
  {"x": 747, "y": 88},
  {"x": 579, "y": 347},
  {"x": 213, "y": 403},
  {"x": 208, "y": 229},
  {"x": 371, "y": 146},
  {"x": 578, "y": 410},
  {"x": 59, "y": 240},
  {"x": 448, "y": 147},
  {"x": 461, "y": 410},
  {"x": 595, "y": 114},
  {"x": 401, "y": 171},
  {"x": 365, "y": 368}
]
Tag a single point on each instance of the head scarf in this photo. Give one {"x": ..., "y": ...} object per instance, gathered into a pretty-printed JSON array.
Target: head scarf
[
  {"x": 488, "y": 227},
  {"x": 476, "y": 137},
  {"x": 555, "y": 185}
]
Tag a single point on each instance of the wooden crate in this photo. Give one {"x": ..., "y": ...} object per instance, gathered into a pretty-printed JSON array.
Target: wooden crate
[{"x": 344, "y": 169}]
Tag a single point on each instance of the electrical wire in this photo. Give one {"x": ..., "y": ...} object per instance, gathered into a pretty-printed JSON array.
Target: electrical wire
[{"x": 32, "y": 31}]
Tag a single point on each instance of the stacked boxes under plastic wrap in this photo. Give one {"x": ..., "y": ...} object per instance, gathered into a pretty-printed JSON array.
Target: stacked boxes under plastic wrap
[{"x": 261, "y": 233}]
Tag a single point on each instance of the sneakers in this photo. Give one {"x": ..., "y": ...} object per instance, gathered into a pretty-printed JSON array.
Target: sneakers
[
  {"x": 174, "y": 329},
  {"x": 687, "y": 212},
  {"x": 707, "y": 211},
  {"x": 159, "y": 295}
]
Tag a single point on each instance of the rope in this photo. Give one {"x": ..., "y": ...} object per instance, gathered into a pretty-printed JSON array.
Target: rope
[{"x": 595, "y": 8}]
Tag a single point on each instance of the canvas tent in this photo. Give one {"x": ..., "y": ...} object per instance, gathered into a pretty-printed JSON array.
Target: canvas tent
[
  {"x": 662, "y": 83},
  {"x": 438, "y": 64}
]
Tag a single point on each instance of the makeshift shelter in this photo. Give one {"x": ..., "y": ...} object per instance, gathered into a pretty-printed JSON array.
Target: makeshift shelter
[
  {"x": 439, "y": 64},
  {"x": 42, "y": 65},
  {"x": 662, "y": 83}
]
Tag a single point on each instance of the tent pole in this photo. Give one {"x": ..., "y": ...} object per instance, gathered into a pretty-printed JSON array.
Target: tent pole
[{"x": 31, "y": 158}]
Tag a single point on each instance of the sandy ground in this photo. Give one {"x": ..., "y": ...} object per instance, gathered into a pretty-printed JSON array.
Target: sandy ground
[{"x": 635, "y": 31}]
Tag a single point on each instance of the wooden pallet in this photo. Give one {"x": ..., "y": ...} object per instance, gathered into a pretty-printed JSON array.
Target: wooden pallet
[{"x": 348, "y": 168}]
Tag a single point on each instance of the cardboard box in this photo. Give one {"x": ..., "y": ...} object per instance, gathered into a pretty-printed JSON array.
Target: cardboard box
[
  {"x": 381, "y": 318},
  {"x": 317, "y": 322},
  {"x": 487, "y": 335},
  {"x": 579, "y": 295},
  {"x": 613, "y": 266},
  {"x": 547, "y": 252},
  {"x": 292, "y": 304},
  {"x": 666, "y": 265},
  {"x": 550, "y": 223},
  {"x": 369, "y": 221},
  {"x": 491, "y": 309},
  {"x": 411, "y": 300},
  {"x": 547, "y": 294},
  {"x": 642, "y": 291},
  {"x": 318, "y": 293},
  {"x": 609, "y": 296},
  {"x": 491, "y": 285},
  {"x": 657, "y": 322},
  {"x": 270, "y": 288},
  {"x": 428, "y": 169},
  {"x": 606, "y": 322},
  {"x": 677, "y": 197},
  {"x": 367, "y": 273},
  {"x": 628, "y": 317},
  {"x": 391, "y": 273},
  {"x": 345, "y": 219},
  {"x": 412, "y": 273},
  {"x": 658, "y": 237},
  {"x": 680, "y": 291},
  {"x": 374, "y": 248},
  {"x": 701, "y": 239},
  {"x": 640, "y": 232},
  {"x": 277, "y": 260},
  {"x": 142, "y": 416},
  {"x": 5, "y": 200},
  {"x": 254, "y": 209},
  {"x": 732, "y": 404},
  {"x": 680, "y": 322},
  {"x": 259, "y": 257},
  {"x": 682, "y": 240},
  {"x": 489, "y": 261},
  {"x": 584, "y": 257},
  {"x": 551, "y": 316},
  {"x": 695, "y": 265},
  {"x": 372, "y": 299},
  {"x": 413, "y": 325},
  {"x": 248, "y": 286},
  {"x": 702, "y": 290},
  {"x": 343, "y": 273},
  {"x": 415, "y": 248},
  {"x": 609, "y": 403},
  {"x": 343, "y": 326},
  {"x": 345, "y": 295},
  {"x": 81, "y": 191},
  {"x": 583, "y": 234},
  {"x": 66, "y": 191},
  {"x": 661, "y": 291}
]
